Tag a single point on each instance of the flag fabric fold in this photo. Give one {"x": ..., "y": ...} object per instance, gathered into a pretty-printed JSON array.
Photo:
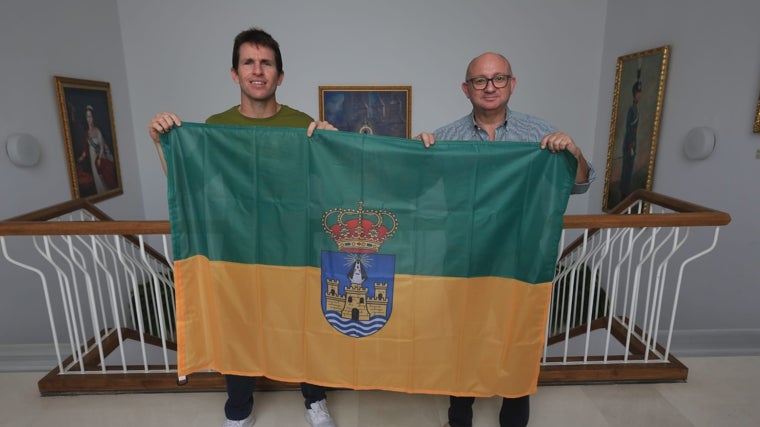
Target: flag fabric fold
[{"x": 361, "y": 261}]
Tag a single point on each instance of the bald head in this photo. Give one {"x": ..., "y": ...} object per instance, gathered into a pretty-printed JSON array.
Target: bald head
[{"x": 488, "y": 60}]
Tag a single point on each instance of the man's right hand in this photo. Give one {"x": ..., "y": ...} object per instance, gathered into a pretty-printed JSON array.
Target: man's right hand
[{"x": 162, "y": 123}]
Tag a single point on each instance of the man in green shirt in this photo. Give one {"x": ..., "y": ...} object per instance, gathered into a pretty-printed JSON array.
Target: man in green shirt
[{"x": 257, "y": 68}]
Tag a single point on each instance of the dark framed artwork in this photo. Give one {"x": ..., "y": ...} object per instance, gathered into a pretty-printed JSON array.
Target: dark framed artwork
[
  {"x": 634, "y": 128},
  {"x": 89, "y": 137},
  {"x": 756, "y": 128},
  {"x": 377, "y": 110}
]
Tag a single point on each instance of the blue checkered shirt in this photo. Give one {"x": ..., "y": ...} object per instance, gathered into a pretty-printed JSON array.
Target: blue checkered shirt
[{"x": 517, "y": 127}]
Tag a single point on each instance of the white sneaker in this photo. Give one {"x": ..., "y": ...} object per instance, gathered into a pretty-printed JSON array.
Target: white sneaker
[
  {"x": 248, "y": 422},
  {"x": 318, "y": 416}
]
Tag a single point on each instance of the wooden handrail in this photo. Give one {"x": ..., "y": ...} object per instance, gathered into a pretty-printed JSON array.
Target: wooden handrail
[
  {"x": 683, "y": 219},
  {"x": 68, "y": 228},
  {"x": 37, "y": 223},
  {"x": 61, "y": 209},
  {"x": 686, "y": 214}
]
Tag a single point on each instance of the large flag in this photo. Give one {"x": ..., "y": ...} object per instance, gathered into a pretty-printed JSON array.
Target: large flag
[{"x": 364, "y": 262}]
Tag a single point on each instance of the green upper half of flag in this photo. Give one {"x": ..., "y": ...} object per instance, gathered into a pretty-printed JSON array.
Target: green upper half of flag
[{"x": 263, "y": 195}]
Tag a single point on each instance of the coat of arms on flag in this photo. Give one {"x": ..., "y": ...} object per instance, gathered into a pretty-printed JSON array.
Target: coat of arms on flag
[{"x": 357, "y": 281}]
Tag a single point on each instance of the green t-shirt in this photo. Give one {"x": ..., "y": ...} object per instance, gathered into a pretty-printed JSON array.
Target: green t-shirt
[{"x": 286, "y": 117}]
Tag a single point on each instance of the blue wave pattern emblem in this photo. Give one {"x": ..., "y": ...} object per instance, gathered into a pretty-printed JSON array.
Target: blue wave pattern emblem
[{"x": 352, "y": 328}]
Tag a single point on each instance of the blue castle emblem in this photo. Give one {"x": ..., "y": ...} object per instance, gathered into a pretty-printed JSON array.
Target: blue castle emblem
[{"x": 357, "y": 282}]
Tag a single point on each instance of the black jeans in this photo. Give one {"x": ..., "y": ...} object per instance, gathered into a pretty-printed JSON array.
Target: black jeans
[
  {"x": 514, "y": 411},
  {"x": 239, "y": 403}
]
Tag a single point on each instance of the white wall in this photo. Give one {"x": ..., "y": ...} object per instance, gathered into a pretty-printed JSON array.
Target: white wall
[
  {"x": 38, "y": 40},
  {"x": 175, "y": 56},
  {"x": 713, "y": 80}
]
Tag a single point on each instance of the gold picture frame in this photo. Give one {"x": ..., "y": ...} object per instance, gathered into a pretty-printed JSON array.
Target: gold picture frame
[
  {"x": 756, "y": 128},
  {"x": 89, "y": 136},
  {"x": 379, "y": 110},
  {"x": 638, "y": 101}
]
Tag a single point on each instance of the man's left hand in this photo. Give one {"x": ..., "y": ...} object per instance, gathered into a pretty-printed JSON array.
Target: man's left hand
[
  {"x": 559, "y": 141},
  {"x": 319, "y": 124}
]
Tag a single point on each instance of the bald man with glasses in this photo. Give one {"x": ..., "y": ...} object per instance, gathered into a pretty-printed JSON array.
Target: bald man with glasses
[{"x": 489, "y": 83}]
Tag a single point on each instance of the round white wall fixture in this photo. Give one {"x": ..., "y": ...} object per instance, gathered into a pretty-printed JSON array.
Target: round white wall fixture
[
  {"x": 699, "y": 143},
  {"x": 23, "y": 149}
]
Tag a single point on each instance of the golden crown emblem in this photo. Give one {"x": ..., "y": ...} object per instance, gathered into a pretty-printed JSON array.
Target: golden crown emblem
[{"x": 361, "y": 230}]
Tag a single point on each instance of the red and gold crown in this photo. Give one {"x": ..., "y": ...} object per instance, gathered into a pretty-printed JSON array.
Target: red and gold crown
[{"x": 359, "y": 230}]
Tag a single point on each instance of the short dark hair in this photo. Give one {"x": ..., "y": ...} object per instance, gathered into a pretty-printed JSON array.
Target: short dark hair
[{"x": 258, "y": 37}]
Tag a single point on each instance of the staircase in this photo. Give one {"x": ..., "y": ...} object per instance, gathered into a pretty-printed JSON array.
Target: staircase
[{"x": 109, "y": 295}]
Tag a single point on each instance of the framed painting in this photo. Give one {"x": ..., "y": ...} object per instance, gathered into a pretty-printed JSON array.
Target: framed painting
[
  {"x": 634, "y": 128},
  {"x": 374, "y": 110},
  {"x": 756, "y": 129},
  {"x": 89, "y": 137}
]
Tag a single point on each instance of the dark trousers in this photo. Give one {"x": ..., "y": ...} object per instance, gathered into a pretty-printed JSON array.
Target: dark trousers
[
  {"x": 239, "y": 403},
  {"x": 514, "y": 412}
]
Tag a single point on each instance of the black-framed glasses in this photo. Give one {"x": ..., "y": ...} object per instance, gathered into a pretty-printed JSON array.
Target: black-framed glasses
[{"x": 499, "y": 81}]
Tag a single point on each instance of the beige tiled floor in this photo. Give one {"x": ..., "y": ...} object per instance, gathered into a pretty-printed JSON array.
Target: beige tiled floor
[{"x": 721, "y": 391}]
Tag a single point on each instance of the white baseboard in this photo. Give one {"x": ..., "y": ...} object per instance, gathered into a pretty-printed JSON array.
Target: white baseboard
[
  {"x": 715, "y": 342},
  {"x": 687, "y": 343},
  {"x": 27, "y": 357}
]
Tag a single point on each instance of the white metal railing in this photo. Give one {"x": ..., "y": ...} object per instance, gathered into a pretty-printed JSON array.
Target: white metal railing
[
  {"x": 625, "y": 276},
  {"x": 98, "y": 286},
  {"x": 110, "y": 296}
]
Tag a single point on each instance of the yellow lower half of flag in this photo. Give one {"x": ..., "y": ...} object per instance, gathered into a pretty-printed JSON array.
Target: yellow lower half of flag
[{"x": 454, "y": 336}]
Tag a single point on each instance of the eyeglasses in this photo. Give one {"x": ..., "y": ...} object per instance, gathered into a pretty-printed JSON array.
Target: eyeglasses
[{"x": 499, "y": 81}]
